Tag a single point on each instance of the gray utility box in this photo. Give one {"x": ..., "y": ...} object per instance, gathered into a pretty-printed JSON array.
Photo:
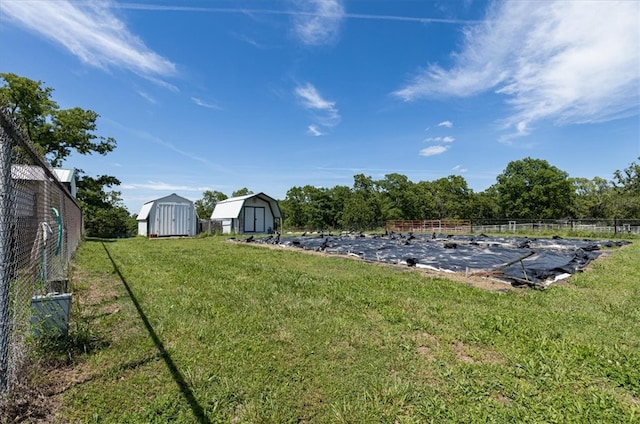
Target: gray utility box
[{"x": 50, "y": 314}]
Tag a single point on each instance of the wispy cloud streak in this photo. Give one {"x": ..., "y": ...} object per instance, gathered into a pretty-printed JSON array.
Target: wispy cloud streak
[
  {"x": 202, "y": 103},
  {"x": 314, "y": 131},
  {"x": 144, "y": 135},
  {"x": 308, "y": 13},
  {"x": 148, "y": 97},
  {"x": 325, "y": 111},
  {"x": 91, "y": 32},
  {"x": 570, "y": 62}
]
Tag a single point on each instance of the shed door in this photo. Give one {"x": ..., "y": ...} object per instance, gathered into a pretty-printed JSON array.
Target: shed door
[
  {"x": 173, "y": 219},
  {"x": 253, "y": 219}
]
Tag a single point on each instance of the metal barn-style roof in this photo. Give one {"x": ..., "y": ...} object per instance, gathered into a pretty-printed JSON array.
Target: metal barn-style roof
[{"x": 231, "y": 208}]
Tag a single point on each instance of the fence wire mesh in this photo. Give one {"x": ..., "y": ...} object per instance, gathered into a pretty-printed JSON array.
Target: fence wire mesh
[
  {"x": 603, "y": 226},
  {"x": 40, "y": 229},
  {"x": 595, "y": 227}
]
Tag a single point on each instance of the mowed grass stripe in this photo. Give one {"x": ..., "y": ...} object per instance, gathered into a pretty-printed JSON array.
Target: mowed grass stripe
[{"x": 273, "y": 335}]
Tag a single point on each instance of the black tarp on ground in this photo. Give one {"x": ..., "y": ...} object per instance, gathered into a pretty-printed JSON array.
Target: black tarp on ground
[{"x": 515, "y": 260}]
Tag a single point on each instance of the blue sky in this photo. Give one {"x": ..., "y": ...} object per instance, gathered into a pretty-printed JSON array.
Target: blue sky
[{"x": 220, "y": 95}]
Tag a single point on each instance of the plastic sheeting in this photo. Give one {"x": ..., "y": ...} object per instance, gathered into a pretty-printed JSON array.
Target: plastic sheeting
[{"x": 515, "y": 260}]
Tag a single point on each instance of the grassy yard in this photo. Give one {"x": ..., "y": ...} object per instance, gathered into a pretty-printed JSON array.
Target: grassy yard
[{"x": 203, "y": 330}]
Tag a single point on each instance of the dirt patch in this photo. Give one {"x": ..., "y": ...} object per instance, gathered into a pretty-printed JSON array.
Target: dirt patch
[
  {"x": 32, "y": 402},
  {"x": 91, "y": 297},
  {"x": 471, "y": 354},
  {"x": 500, "y": 398},
  {"x": 461, "y": 353},
  {"x": 427, "y": 345}
]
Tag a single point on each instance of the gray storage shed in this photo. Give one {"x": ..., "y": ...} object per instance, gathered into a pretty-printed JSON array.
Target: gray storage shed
[
  {"x": 171, "y": 215},
  {"x": 252, "y": 213}
]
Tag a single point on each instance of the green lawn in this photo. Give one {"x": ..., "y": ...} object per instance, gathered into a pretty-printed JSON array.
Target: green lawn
[{"x": 204, "y": 330}]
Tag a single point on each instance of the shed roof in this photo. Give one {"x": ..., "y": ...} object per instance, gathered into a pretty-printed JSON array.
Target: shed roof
[
  {"x": 146, "y": 208},
  {"x": 230, "y": 208},
  {"x": 65, "y": 175}
]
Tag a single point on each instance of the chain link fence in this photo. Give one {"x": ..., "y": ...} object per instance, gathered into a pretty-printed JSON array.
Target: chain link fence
[
  {"x": 619, "y": 227},
  {"x": 40, "y": 229},
  {"x": 595, "y": 227}
]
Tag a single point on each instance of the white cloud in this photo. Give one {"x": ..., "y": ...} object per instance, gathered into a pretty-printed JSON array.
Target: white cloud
[
  {"x": 204, "y": 104},
  {"x": 570, "y": 62},
  {"x": 91, "y": 32},
  {"x": 522, "y": 129},
  {"x": 318, "y": 21},
  {"x": 446, "y": 124},
  {"x": 433, "y": 150},
  {"x": 459, "y": 168},
  {"x": 311, "y": 99},
  {"x": 325, "y": 110},
  {"x": 314, "y": 131},
  {"x": 447, "y": 139}
]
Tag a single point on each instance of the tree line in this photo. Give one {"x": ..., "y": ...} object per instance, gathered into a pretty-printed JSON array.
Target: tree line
[{"x": 527, "y": 189}]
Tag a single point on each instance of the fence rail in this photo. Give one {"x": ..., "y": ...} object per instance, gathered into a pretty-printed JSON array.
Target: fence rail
[
  {"x": 610, "y": 226},
  {"x": 430, "y": 226},
  {"x": 40, "y": 229}
]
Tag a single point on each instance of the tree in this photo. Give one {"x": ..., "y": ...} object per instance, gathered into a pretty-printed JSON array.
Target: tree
[
  {"x": 399, "y": 197},
  {"x": 317, "y": 207},
  {"x": 241, "y": 192},
  {"x": 627, "y": 187},
  {"x": 339, "y": 197},
  {"x": 105, "y": 216},
  {"x": 362, "y": 208},
  {"x": 534, "y": 189},
  {"x": 360, "y": 212},
  {"x": 312, "y": 207},
  {"x": 452, "y": 197},
  {"x": 111, "y": 223},
  {"x": 293, "y": 208},
  {"x": 484, "y": 205},
  {"x": 205, "y": 206},
  {"x": 55, "y": 132},
  {"x": 593, "y": 198},
  {"x": 425, "y": 201}
]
